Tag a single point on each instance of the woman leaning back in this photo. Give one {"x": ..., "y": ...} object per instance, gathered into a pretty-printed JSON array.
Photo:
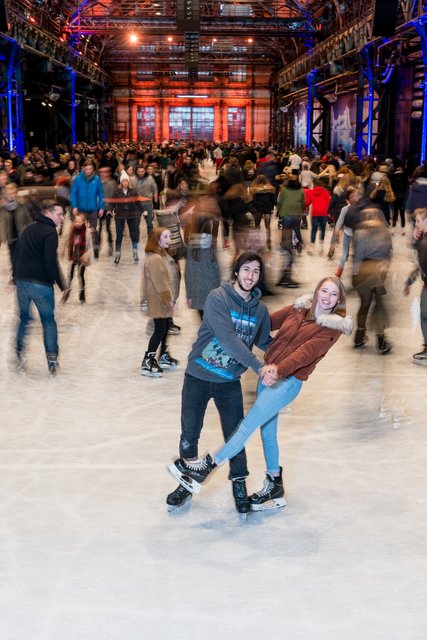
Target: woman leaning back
[{"x": 306, "y": 332}]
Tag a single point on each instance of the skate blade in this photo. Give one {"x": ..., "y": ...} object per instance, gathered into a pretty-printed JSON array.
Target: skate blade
[
  {"x": 279, "y": 503},
  {"x": 243, "y": 516},
  {"x": 188, "y": 483},
  {"x": 148, "y": 374},
  {"x": 180, "y": 508}
]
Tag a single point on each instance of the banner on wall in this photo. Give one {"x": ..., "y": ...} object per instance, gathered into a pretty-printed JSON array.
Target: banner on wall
[
  {"x": 343, "y": 123},
  {"x": 300, "y": 125}
]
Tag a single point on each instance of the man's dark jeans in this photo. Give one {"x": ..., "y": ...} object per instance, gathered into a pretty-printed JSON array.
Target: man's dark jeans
[
  {"x": 228, "y": 399},
  {"x": 44, "y": 299}
]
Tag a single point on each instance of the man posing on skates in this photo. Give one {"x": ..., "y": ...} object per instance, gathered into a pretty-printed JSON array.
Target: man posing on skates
[{"x": 234, "y": 320}]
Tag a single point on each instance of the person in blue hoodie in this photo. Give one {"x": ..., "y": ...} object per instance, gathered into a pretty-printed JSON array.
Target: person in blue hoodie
[
  {"x": 234, "y": 319},
  {"x": 87, "y": 196}
]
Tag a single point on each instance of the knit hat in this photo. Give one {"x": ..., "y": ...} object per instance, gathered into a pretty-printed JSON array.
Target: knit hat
[{"x": 124, "y": 176}]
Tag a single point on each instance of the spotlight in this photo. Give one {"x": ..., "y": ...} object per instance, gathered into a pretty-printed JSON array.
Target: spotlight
[{"x": 133, "y": 38}]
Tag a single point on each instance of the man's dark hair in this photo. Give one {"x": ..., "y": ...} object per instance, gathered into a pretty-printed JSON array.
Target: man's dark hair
[
  {"x": 247, "y": 256},
  {"x": 48, "y": 205}
]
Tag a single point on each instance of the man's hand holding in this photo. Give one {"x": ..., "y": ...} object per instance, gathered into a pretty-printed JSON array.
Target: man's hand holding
[{"x": 269, "y": 374}]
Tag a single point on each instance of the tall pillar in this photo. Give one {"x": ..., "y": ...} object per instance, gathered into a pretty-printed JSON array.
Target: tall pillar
[
  {"x": 130, "y": 107},
  {"x": 421, "y": 25},
  {"x": 73, "y": 106},
  {"x": 310, "y": 108},
  {"x": 221, "y": 120},
  {"x": 252, "y": 137},
  {"x": 367, "y": 102},
  {"x": 15, "y": 105}
]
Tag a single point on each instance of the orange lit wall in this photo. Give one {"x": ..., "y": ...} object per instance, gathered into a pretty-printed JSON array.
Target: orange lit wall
[{"x": 253, "y": 95}]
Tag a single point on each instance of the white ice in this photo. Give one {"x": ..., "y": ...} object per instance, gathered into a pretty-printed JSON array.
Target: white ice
[{"x": 88, "y": 551}]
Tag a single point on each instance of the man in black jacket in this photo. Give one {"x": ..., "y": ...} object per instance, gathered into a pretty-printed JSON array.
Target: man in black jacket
[{"x": 36, "y": 271}]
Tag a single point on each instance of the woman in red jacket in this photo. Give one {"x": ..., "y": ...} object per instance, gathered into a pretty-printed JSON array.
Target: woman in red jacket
[
  {"x": 319, "y": 199},
  {"x": 306, "y": 332}
]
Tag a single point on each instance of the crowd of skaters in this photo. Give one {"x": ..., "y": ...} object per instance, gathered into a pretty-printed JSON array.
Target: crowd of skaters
[{"x": 107, "y": 187}]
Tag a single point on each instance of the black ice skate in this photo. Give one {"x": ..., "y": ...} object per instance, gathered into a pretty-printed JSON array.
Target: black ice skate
[
  {"x": 178, "y": 498},
  {"x": 150, "y": 367},
  {"x": 21, "y": 362},
  {"x": 192, "y": 473},
  {"x": 166, "y": 361},
  {"x": 271, "y": 496},
  {"x": 52, "y": 363},
  {"x": 384, "y": 346},
  {"x": 421, "y": 357},
  {"x": 241, "y": 498}
]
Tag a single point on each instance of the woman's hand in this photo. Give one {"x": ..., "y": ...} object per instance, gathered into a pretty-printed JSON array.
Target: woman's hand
[{"x": 269, "y": 374}]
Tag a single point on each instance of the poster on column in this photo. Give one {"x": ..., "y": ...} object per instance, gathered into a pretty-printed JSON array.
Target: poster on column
[
  {"x": 300, "y": 124},
  {"x": 343, "y": 122}
]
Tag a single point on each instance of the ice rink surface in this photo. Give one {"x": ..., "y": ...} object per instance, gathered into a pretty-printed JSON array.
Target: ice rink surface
[{"x": 88, "y": 550}]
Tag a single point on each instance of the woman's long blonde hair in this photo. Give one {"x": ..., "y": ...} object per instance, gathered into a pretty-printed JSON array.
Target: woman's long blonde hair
[{"x": 340, "y": 308}]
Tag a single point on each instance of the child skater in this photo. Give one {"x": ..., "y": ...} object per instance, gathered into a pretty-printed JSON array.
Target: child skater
[
  {"x": 306, "y": 332},
  {"x": 79, "y": 246}
]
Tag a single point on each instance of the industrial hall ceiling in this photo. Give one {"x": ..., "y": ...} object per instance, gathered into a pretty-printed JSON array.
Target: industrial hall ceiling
[
  {"x": 188, "y": 37},
  {"x": 195, "y": 35}
]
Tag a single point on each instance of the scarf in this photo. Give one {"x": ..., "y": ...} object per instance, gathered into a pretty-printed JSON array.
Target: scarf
[{"x": 77, "y": 243}]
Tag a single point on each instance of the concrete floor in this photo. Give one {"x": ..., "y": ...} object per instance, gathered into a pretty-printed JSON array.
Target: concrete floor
[{"x": 88, "y": 550}]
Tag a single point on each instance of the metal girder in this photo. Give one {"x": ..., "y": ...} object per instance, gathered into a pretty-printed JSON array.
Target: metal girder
[
  {"x": 367, "y": 102},
  {"x": 11, "y": 98},
  {"x": 85, "y": 24},
  {"x": 421, "y": 28},
  {"x": 330, "y": 50}
]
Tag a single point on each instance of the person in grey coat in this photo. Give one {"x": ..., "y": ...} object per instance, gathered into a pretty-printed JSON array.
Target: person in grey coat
[
  {"x": 14, "y": 218},
  {"x": 201, "y": 270}
]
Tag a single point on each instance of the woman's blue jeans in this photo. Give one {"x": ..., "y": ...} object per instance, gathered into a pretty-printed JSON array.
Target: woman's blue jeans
[
  {"x": 264, "y": 415},
  {"x": 346, "y": 242},
  {"x": 44, "y": 299}
]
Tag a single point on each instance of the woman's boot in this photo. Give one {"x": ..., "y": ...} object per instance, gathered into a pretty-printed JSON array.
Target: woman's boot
[{"x": 271, "y": 496}]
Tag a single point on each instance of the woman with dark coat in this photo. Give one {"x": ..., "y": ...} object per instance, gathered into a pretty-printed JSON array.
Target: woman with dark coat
[
  {"x": 262, "y": 205},
  {"x": 238, "y": 211},
  {"x": 126, "y": 210}
]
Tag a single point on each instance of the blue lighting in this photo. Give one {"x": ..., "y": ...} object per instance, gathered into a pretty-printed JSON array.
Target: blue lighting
[
  {"x": 310, "y": 105},
  {"x": 73, "y": 107},
  {"x": 420, "y": 27},
  {"x": 14, "y": 102},
  {"x": 367, "y": 124}
]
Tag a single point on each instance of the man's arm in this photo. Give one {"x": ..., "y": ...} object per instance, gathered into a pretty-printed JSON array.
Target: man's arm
[
  {"x": 101, "y": 202},
  {"x": 51, "y": 261},
  {"x": 73, "y": 193},
  {"x": 217, "y": 318}
]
